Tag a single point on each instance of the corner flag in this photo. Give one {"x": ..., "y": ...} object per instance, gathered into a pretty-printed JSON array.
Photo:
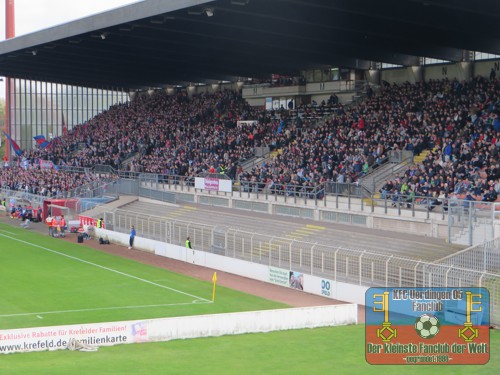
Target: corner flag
[{"x": 214, "y": 281}]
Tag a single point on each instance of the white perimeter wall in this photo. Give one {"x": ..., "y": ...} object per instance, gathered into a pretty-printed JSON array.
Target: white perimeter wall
[
  {"x": 322, "y": 286},
  {"x": 139, "y": 331}
]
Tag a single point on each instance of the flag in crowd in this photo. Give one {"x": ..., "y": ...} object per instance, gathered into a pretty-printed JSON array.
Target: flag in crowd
[
  {"x": 41, "y": 141},
  {"x": 54, "y": 142},
  {"x": 14, "y": 145},
  {"x": 46, "y": 164}
]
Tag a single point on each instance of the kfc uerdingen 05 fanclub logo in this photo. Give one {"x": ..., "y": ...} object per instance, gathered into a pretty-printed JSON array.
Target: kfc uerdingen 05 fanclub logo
[{"x": 427, "y": 326}]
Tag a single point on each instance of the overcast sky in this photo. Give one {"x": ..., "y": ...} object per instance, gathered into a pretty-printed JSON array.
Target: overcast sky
[{"x": 34, "y": 15}]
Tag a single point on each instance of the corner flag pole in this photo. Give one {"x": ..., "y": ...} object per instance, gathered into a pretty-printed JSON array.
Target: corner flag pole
[{"x": 214, "y": 280}]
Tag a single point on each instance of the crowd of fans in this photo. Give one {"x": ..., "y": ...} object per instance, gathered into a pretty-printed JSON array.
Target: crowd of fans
[
  {"x": 185, "y": 135},
  {"x": 458, "y": 121},
  {"x": 30, "y": 178}
]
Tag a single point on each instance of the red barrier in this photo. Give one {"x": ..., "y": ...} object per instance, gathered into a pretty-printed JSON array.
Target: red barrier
[{"x": 86, "y": 220}]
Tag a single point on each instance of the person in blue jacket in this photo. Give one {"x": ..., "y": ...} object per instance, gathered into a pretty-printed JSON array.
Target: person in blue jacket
[{"x": 132, "y": 237}]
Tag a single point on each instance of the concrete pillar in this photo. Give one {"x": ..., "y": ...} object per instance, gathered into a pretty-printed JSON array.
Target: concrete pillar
[
  {"x": 415, "y": 73},
  {"x": 373, "y": 76},
  {"x": 10, "y": 25},
  {"x": 465, "y": 70},
  {"x": 10, "y": 32}
]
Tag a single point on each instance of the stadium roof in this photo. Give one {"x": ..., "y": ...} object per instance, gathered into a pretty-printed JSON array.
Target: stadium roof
[{"x": 156, "y": 43}]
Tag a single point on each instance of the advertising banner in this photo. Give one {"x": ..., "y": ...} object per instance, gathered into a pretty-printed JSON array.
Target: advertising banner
[
  {"x": 213, "y": 184},
  {"x": 89, "y": 337},
  {"x": 326, "y": 287},
  {"x": 279, "y": 276},
  {"x": 296, "y": 280},
  {"x": 58, "y": 337}
]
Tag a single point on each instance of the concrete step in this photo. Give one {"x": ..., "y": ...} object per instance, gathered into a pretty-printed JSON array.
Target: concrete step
[{"x": 98, "y": 211}]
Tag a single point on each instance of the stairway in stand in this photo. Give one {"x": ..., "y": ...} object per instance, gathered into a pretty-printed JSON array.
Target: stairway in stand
[
  {"x": 421, "y": 157},
  {"x": 275, "y": 153},
  {"x": 374, "y": 181},
  {"x": 256, "y": 161}
]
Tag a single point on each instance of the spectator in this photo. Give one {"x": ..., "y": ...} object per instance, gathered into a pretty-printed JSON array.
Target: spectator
[
  {"x": 491, "y": 195},
  {"x": 131, "y": 238}
]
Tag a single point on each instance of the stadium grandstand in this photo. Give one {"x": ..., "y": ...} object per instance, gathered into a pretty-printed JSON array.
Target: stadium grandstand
[{"x": 383, "y": 116}]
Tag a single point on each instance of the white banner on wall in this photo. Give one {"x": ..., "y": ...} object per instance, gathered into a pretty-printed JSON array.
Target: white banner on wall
[
  {"x": 279, "y": 276},
  {"x": 128, "y": 332},
  {"x": 57, "y": 337},
  {"x": 214, "y": 184}
]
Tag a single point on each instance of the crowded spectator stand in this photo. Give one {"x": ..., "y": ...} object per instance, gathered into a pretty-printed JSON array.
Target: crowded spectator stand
[{"x": 455, "y": 123}]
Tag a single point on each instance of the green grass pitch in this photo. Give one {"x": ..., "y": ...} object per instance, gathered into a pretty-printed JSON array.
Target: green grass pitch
[
  {"x": 46, "y": 281},
  {"x": 333, "y": 350}
]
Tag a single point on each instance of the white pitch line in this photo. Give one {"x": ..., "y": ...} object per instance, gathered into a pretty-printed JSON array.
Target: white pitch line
[
  {"x": 6, "y": 231},
  {"x": 39, "y": 314},
  {"x": 105, "y": 268}
]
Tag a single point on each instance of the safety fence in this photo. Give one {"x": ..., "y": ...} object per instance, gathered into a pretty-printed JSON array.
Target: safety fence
[
  {"x": 92, "y": 189},
  {"x": 317, "y": 192},
  {"x": 484, "y": 257},
  {"x": 72, "y": 202},
  {"x": 468, "y": 222},
  {"x": 354, "y": 266}
]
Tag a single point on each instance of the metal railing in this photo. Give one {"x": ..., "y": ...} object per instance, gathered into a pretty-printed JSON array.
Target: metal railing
[
  {"x": 93, "y": 190},
  {"x": 469, "y": 222},
  {"x": 399, "y": 160},
  {"x": 260, "y": 189},
  {"x": 484, "y": 257},
  {"x": 21, "y": 196},
  {"x": 354, "y": 266},
  {"x": 319, "y": 191}
]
